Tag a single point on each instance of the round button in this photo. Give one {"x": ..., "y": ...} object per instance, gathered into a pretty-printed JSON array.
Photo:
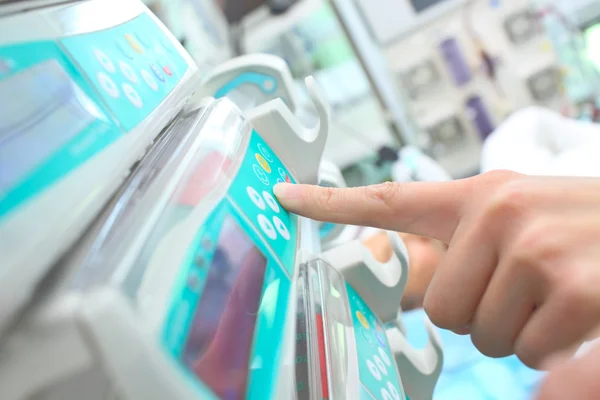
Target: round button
[
  {"x": 380, "y": 339},
  {"x": 135, "y": 45},
  {"x": 255, "y": 197},
  {"x": 166, "y": 44},
  {"x": 281, "y": 228},
  {"x": 267, "y": 227},
  {"x": 263, "y": 163},
  {"x": 384, "y": 357},
  {"x": 149, "y": 79},
  {"x": 260, "y": 174},
  {"x": 157, "y": 72},
  {"x": 143, "y": 40},
  {"x": 367, "y": 335},
  {"x": 108, "y": 85},
  {"x": 124, "y": 50},
  {"x": 271, "y": 201},
  {"x": 159, "y": 49},
  {"x": 393, "y": 391},
  {"x": 362, "y": 319},
  {"x": 282, "y": 173},
  {"x": 103, "y": 59},
  {"x": 132, "y": 95},
  {"x": 266, "y": 153},
  {"x": 380, "y": 365},
  {"x": 128, "y": 72},
  {"x": 374, "y": 370},
  {"x": 279, "y": 180}
]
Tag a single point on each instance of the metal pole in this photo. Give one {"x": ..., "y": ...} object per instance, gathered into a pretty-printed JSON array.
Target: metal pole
[{"x": 375, "y": 66}]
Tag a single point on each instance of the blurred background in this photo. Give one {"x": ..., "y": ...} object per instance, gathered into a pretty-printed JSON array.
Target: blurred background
[{"x": 438, "y": 74}]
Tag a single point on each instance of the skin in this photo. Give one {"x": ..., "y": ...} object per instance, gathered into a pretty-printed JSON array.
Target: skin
[{"x": 521, "y": 273}]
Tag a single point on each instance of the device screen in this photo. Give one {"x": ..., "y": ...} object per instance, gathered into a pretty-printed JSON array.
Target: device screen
[
  {"x": 218, "y": 347},
  {"x": 42, "y": 109}
]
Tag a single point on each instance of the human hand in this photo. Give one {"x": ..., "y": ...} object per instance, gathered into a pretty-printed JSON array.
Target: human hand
[
  {"x": 576, "y": 379},
  {"x": 521, "y": 274}
]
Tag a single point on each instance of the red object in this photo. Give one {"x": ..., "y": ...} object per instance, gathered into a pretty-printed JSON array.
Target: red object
[
  {"x": 322, "y": 357},
  {"x": 167, "y": 70},
  {"x": 203, "y": 178},
  {"x": 287, "y": 179}
]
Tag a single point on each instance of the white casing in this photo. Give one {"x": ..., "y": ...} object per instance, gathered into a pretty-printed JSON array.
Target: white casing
[
  {"x": 29, "y": 245},
  {"x": 301, "y": 147},
  {"x": 101, "y": 344},
  {"x": 419, "y": 369},
  {"x": 381, "y": 286},
  {"x": 265, "y": 64}
]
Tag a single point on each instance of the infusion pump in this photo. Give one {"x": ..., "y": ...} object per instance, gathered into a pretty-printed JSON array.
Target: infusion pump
[{"x": 144, "y": 254}]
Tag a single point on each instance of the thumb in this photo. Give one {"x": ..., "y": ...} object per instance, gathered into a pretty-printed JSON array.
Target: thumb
[{"x": 422, "y": 208}]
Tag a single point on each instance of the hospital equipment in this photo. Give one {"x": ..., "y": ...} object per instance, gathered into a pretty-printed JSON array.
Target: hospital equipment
[{"x": 192, "y": 281}]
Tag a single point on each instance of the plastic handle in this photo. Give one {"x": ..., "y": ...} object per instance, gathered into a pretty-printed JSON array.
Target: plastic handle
[
  {"x": 299, "y": 147},
  {"x": 419, "y": 369},
  {"x": 265, "y": 77},
  {"x": 381, "y": 286}
]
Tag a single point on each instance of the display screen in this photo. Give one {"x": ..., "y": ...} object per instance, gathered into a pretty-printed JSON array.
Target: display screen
[
  {"x": 42, "y": 109},
  {"x": 220, "y": 340}
]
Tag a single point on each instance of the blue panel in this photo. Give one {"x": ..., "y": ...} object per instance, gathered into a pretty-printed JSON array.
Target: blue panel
[
  {"x": 217, "y": 287},
  {"x": 252, "y": 191},
  {"x": 134, "y": 66},
  {"x": 51, "y": 121},
  {"x": 376, "y": 366}
]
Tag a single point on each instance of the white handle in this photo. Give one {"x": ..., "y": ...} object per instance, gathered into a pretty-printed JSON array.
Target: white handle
[
  {"x": 299, "y": 147},
  {"x": 263, "y": 77},
  {"x": 419, "y": 369},
  {"x": 380, "y": 285},
  {"x": 331, "y": 176}
]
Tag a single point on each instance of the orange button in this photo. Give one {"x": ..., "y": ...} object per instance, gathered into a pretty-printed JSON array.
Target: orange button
[
  {"x": 135, "y": 45},
  {"x": 263, "y": 163}
]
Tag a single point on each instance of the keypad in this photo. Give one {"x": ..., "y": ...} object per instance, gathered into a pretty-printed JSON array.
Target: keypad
[{"x": 134, "y": 67}]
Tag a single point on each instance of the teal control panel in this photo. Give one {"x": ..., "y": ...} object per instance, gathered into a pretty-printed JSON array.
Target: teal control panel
[
  {"x": 377, "y": 369},
  {"x": 86, "y": 90},
  {"x": 134, "y": 67},
  {"x": 252, "y": 190},
  {"x": 54, "y": 124},
  {"x": 226, "y": 322}
]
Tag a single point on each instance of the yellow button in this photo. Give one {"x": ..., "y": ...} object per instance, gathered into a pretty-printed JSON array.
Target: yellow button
[
  {"x": 134, "y": 43},
  {"x": 263, "y": 163},
  {"x": 362, "y": 319}
]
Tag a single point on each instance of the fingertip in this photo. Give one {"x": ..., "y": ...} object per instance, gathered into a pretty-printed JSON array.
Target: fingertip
[{"x": 288, "y": 194}]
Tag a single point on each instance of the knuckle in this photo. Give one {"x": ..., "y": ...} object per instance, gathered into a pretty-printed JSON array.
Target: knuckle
[
  {"x": 325, "y": 198},
  {"x": 526, "y": 350},
  {"x": 385, "y": 192},
  {"x": 500, "y": 176},
  {"x": 490, "y": 344},
  {"x": 509, "y": 201},
  {"x": 441, "y": 315},
  {"x": 534, "y": 248},
  {"x": 572, "y": 294}
]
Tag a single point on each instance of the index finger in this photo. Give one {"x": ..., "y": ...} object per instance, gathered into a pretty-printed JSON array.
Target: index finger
[{"x": 430, "y": 209}]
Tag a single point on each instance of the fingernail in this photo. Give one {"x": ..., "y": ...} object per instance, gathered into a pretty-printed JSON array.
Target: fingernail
[{"x": 286, "y": 191}]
